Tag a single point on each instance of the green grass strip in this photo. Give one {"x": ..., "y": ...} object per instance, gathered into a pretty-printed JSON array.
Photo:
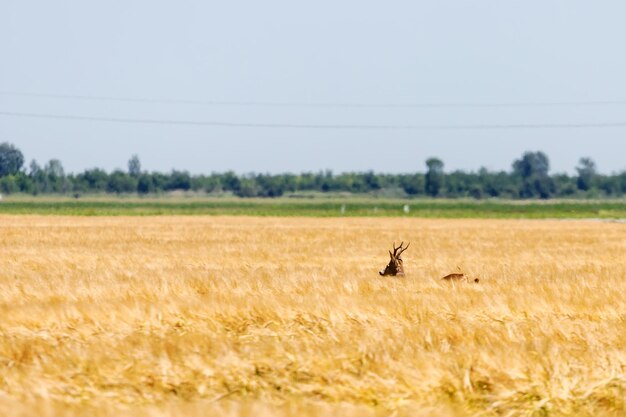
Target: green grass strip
[{"x": 349, "y": 207}]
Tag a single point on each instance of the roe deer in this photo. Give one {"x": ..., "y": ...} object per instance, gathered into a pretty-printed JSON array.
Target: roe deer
[
  {"x": 395, "y": 266},
  {"x": 459, "y": 277}
]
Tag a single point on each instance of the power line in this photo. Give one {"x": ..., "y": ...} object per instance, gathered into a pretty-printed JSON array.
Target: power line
[
  {"x": 480, "y": 126},
  {"x": 317, "y": 104}
]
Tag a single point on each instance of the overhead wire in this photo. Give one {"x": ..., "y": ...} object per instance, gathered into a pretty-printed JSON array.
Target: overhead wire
[
  {"x": 227, "y": 103},
  {"x": 173, "y": 122}
]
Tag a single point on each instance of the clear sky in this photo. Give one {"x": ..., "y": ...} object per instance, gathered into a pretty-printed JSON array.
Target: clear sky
[{"x": 315, "y": 63}]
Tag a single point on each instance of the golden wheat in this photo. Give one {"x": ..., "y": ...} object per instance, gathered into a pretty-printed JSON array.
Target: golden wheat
[{"x": 274, "y": 316}]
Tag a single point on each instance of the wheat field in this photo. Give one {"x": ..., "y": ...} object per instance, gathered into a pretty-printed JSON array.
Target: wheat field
[{"x": 244, "y": 316}]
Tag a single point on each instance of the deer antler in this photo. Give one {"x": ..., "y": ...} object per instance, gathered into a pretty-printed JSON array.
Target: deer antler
[
  {"x": 403, "y": 249},
  {"x": 395, "y": 250}
]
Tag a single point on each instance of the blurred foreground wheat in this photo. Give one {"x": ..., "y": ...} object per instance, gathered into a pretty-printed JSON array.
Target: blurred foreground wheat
[{"x": 272, "y": 316}]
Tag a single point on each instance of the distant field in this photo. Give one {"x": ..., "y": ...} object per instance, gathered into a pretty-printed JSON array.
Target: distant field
[
  {"x": 249, "y": 316},
  {"x": 348, "y": 207}
]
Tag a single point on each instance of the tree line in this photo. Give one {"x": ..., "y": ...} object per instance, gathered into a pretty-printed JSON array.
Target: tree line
[{"x": 528, "y": 178}]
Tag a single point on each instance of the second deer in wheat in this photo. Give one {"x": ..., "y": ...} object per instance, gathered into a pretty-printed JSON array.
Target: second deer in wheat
[{"x": 459, "y": 277}]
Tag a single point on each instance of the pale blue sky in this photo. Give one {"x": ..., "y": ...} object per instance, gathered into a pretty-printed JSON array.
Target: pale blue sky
[{"x": 362, "y": 52}]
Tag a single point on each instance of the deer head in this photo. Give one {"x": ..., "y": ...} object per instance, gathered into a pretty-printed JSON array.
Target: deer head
[{"x": 395, "y": 267}]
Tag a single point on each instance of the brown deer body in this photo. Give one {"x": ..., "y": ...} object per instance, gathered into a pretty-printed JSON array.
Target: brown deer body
[
  {"x": 458, "y": 277},
  {"x": 395, "y": 266}
]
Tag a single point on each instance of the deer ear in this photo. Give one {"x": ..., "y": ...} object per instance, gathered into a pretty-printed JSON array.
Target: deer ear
[{"x": 390, "y": 255}]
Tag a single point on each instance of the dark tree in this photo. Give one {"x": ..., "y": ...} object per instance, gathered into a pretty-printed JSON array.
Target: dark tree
[
  {"x": 247, "y": 187},
  {"x": 413, "y": 184},
  {"x": 565, "y": 185},
  {"x": 179, "y": 180},
  {"x": 145, "y": 184},
  {"x": 532, "y": 170},
  {"x": 586, "y": 173},
  {"x": 54, "y": 169},
  {"x": 11, "y": 159},
  {"x": 120, "y": 182},
  {"x": 372, "y": 181},
  {"x": 134, "y": 166},
  {"x": 621, "y": 180},
  {"x": 265, "y": 185},
  {"x": 55, "y": 180},
  {"x": 230, "y": 181},
  {"x": 434, "y": 177},
  {"x": 9, "y": 184},
  {"x": 95, "y": 179},
  {"x": 532, "y": 163},
  {"x": 38, "y": 178},
  {"x": 35, "y": 169}
]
